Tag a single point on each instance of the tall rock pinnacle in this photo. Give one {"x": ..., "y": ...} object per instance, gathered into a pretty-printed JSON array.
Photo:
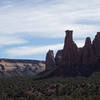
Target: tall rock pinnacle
[
  {"x": 87, "y": 52},
  {"x": 50, "y": 60},
  {"x": 88, "y": 41},
  {"x": 96, "y": 44},
  {"x": 70, "y": 50},
  {"x": 58, "y": 57}
]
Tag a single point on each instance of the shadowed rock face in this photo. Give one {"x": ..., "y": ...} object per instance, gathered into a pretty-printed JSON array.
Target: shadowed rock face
[
  {"x": 87, "y": 53},
  {"x": 70, "y": 50},
  {"x": 58, "y": 57},
  {"x": 74, "y": 61},
  {"x": 50, "y": 60},
  {"x": 96, "y": 45}
]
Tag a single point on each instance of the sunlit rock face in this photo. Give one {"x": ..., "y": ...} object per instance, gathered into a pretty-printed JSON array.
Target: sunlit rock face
[{"x": 11, "y": 67}]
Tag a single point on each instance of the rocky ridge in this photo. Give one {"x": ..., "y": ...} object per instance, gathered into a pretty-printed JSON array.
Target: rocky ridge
[
  {"x": 74, "y": 61},
  {"x": 11, "y": 67}
]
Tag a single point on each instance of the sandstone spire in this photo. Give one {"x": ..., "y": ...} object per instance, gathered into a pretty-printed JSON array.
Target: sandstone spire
[
  {"x": 50, "y": 61},
  {"x": 87, "y": 52},
  {"x": 96, "y": 45},
  {"x": 88, "y": 41},
  {"x": 58, "y": 57},
  {"x": 74, "y": 61},
  {"x": 70, "y": 50}
]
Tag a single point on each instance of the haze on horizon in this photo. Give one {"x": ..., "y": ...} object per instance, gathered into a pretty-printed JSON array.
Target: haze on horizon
[{"x": 29, "y": 28}]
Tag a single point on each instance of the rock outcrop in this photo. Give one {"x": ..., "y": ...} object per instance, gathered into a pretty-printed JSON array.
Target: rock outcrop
[
  {"x": 58, "y": 57},
  {"x": 96, "y": 45},
  {"x": 50, "y": 60},
  {"x": 74, "y": 61},
  {"x": 70, "y": 50},
  {"x": 11, "y": 67},
  {"x": 87, "y": 53}
]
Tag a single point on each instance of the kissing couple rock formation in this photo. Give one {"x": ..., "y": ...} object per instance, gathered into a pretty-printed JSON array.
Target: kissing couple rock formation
[{"x": 74, "y": 61}]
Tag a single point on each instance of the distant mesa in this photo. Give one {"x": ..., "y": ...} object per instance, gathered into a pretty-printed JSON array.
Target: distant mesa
[
  {"x": 74, "y": 61},
  {"x": 16, "y": 67}
]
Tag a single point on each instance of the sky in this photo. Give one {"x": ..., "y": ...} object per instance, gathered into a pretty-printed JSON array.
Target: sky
[{"x": 29, "y": 28}]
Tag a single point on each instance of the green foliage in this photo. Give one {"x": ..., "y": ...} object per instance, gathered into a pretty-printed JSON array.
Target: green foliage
[{"x": 30, "y": 88}]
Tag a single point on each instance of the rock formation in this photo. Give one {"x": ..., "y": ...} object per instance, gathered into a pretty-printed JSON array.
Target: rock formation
[
  {"x": 70, "y": 61},
  {"x": 74, "y": 61},
  {"x": 70, "y": 50},
  {"x": 50, "y": 60},
  {"x": 87, "y": 52},
  {"x": 11, "y": 67},
  {"x": 96, "y": 45},
  {"x": 58, "y": 57}
]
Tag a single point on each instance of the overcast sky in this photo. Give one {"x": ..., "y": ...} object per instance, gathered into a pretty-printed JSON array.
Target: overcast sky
[{"x": 29, "y": 28}]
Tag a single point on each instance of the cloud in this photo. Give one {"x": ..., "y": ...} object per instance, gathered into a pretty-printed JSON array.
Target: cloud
[
  {"x": 80, "y": 43},
  {"x": 51, "y": 21},
  {"x": 89, "y": 22},
  {"x": 45, "y": 19},
  {"x": 11, "y": 40},
  {"x": 30, "y": 50}
]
